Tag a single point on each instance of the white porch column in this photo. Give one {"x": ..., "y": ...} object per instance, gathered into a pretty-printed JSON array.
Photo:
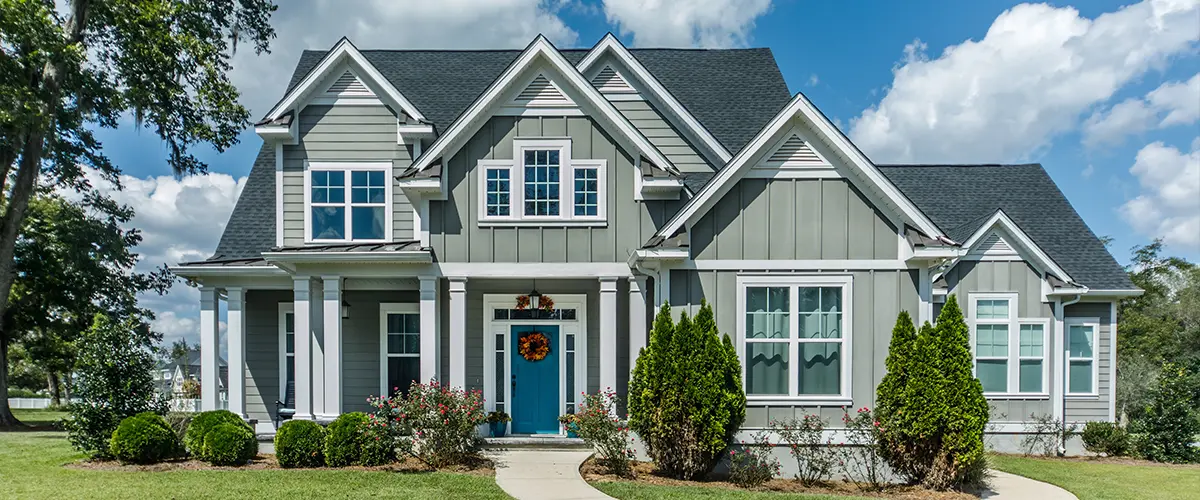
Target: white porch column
[
  {"x": 316, "y": 311},
  {"x": 333, "y": 345},
  {"x": 1057, "y": 368},
  {"x": 638, "y": 334},
  {"x": 301, "y": 291},
  {"x": 608, "y": 333},
  {"x": 210, "y": 332},
  {"x": 236, "y": 300},
  {"x": 925, "y": 295},
  {"x": 458, "y": 332},
  {"x": 430, "y": 333}
]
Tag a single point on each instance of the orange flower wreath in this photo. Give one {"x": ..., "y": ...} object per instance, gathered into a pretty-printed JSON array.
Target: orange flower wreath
[{"x": 533, "y": 346}]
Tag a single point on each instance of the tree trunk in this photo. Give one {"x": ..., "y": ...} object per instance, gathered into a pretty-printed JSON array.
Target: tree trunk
[
  {"x": 55, "y": 389},
  {"x": 6, "y": 417}
]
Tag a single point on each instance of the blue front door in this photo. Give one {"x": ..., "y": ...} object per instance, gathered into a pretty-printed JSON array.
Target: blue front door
[{"x": 535, "y": 384}]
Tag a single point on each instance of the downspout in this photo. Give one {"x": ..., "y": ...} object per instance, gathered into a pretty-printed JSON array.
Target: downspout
[{"x": 1062, "y": 429}]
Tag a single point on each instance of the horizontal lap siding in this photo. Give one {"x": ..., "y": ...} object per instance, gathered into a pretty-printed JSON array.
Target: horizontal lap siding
[
  {"x": 343, "y": 134},
  {"x": 360, "y": 344},
  {"x": 1087, "y": 409},
  {"x": 663, "y": 136},
  {"x": 262, "y": 352}
]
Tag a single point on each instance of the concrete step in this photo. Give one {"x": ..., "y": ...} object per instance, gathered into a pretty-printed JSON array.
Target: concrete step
[{"x": 547, "y": 443}]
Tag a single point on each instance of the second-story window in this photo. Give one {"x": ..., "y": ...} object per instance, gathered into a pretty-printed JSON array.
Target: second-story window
[
  {"x": 348, "y": 202},
  {"x": 542, "y": 185}
]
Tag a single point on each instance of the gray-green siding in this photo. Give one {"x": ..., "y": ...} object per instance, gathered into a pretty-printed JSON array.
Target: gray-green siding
[
  {"x": 802, "y": 219},
  {"x": 342, "y": 134},
  {"x": 652, "y": 124}
]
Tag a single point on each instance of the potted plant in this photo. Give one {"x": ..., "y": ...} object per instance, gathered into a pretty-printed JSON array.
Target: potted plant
[
  {"x": 568, "y": 422},
  {"x": 496, "y": 421}
]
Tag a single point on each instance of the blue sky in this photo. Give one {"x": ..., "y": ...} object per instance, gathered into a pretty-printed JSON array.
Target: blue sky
[{"x": 1069, "y": 85}]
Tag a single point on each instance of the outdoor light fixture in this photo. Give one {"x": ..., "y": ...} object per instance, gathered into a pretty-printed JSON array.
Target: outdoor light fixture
[
  {"x": 535, "y": 299},
  {"x": 345, "y": 310}
]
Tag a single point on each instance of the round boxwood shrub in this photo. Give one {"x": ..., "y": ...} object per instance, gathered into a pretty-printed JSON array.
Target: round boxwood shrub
[
  {"x": 344, "y": 440},
  {"x": 144, "y": 438},
  {"x": 229, "y": 444},
  {"x": 204, "y": 422},
  {"x": 299, "y": 443}
]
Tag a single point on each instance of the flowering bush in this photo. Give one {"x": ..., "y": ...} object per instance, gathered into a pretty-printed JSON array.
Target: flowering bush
[
  {"x": 814, "y": 456},
  {"x": 595, "y": 423},
  {"x": 862, "y": 461},
  {"x": 754, "y": 465},
  {"x": 433, "y": 423}
]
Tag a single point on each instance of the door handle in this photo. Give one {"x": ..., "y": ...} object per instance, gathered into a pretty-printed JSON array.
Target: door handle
[{"x": 514, "y": 381}]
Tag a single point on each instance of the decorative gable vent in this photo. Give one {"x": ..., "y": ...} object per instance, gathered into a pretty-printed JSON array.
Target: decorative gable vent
[
  {"x": 541, "y": 92},
  {"x": 795, "y": 150},
  {"x": 994, "y": 245},
  {"x": 609, "y": 81},
  {"x": 349, "y": 85}
]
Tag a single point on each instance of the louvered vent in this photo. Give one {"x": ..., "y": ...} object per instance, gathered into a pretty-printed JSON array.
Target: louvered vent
[
  {"x": 349, "y": 85},
  {"x": 541, "y": 91},
  {"x": 607, "y": 80},
  {"x": 994, "y": 244},
  {"x": 795, "y": 150}
]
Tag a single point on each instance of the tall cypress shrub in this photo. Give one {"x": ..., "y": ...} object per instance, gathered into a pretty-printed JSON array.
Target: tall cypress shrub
[
  {"x": 685, "y": 398},
  {"x": 961, "y": 460},
  {"x": 889, "y": 395},
  {"x": 917, "y": 424}
]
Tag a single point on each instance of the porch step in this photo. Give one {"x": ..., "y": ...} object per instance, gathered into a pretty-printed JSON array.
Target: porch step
[{"x": 548, "y": 443}]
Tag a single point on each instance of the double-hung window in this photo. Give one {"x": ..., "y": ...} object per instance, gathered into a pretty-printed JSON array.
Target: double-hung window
[
  {"x": 400, "y": 347},
  {"x": 1081, "y": 356},
  {"x": 795, "y": 337},
  {"x": 1010, "y": 352},
  {"x": 542, "y": 185},
  {"x": 348, "y": 202}
]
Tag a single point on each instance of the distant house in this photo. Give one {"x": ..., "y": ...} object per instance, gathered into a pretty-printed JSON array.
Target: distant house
[{"x": 171, "y": 374}]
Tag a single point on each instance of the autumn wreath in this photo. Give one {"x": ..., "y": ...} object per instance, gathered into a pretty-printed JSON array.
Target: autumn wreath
[
  {"x": 533, "y": 346},
  {"x": 545, "y": 303}
]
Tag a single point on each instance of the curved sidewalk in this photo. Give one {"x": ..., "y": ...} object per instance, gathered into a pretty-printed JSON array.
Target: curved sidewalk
[
  {"x": 543, "y": 474},
  {"x": 1007, "y": 486}
]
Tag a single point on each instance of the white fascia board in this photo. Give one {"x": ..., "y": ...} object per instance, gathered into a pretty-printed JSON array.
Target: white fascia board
[
  {"x": 610, "y": 43},
  {"x": 1115, "y": 293},
  {"x": 541, "y": 47},
  {"x": 274, "y": 133},
  {"x": 662, "y": 254},
  {"x": 206, "y": 271},
  {"x": 343, "y": 49},
  {"x": 938, "y": 253},
  {"x": 1001, "y": 219},
  {"x": 737, "y": 167},
  {"x": 414, "y": 256}
]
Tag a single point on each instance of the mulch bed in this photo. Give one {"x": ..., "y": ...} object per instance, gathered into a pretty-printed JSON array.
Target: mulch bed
[
  {"x": 645, "y": 473},
  {"x": 1108, "y": 460},
  {"x": 478, "y": 466}
]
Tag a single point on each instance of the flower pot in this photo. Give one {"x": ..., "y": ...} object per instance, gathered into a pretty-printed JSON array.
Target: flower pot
[
  {"x": 497, "y": 428},
  {"x": 571, "y": 431}
]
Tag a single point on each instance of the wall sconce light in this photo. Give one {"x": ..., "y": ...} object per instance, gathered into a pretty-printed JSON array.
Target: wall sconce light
[{"x": 345, "y": 310}]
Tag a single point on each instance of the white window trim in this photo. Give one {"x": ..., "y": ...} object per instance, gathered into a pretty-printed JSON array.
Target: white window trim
[
  {"x": 386, "y": 308},
  {"x": 516, "y": 184},
  {"x": 285, "y": 308},
  {"x": 794, "y": 282},
  {"x": 1013, "y": 366},
  {"x": 1094, "y": 323},
  {"x": 347, "y": 167}
]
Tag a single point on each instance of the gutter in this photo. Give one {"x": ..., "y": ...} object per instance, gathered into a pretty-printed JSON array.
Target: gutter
[{"x": 1062, "y": 437}]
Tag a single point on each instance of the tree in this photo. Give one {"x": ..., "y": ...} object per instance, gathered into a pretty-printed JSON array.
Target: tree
[
  {"x": 1171, "y": 424},
  {"x": 65, "y": 74}
]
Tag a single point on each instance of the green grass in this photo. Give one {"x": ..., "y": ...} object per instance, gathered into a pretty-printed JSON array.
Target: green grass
[
  {"x": 641, "y": 491},
  {"x": 1107, "y": 480},
  {"x": 31, "y": 466},
  {"x": 39, "y": 418}
]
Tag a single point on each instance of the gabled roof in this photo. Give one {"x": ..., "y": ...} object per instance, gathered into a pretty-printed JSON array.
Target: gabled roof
[
  {"x": 962, "y": 198},
  {"x": 1028, "y": 248}
]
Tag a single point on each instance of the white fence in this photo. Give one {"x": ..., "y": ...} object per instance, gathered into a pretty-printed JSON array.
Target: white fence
[{"x": 184, "y": 405}]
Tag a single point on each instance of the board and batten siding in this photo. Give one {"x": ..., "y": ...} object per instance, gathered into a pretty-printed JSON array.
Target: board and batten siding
[
  {"x": 1084, "y": 408},
  {"x": 454, "y": 224},
  {"x": 343, "y": 134},
  {"x": 801, "y": 219},
  {"x": 878, "y": 298},
  {"x": 664, "y": 136}
]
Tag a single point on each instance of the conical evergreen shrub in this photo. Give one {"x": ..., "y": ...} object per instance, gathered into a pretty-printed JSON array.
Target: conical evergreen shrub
[
  {"x": 686, "y": 398},
  {"x": 889, "y": 395},
  {"x": 965, "y": 409}
]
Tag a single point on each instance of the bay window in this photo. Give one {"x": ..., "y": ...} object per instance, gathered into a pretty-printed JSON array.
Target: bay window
[
  {"x": 348, "y": 202},
  {"x": 1010, "y": 352},
  {"x": 542, "y": 185}
]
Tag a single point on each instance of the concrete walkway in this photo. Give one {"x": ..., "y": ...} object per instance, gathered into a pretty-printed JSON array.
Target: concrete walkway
[
  {"x": 543, "y": 474},
  {"x": 1007, "y": 486}
]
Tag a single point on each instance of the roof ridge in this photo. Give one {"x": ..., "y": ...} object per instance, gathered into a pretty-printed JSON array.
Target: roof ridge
[{"x": 959, "y": 165}]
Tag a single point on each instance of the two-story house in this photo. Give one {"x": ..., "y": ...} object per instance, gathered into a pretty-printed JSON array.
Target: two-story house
[{"x": 416, "y": 214}]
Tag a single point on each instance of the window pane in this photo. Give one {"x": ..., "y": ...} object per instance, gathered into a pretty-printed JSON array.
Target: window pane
[
  {"x": 412, "y": 344},
  {"x": 831, "y": 299},
  {"x": 991, "y": 309},
  {"x": 993, "y": 374},
  {"x": 328, "y": 223},
  {"x": 290, "y": 343},
  {"x": 500, "y": 381},
  {"x": 1081, "y": 377},
  {"x": 289, "y": 382},
  {"x": 767, "y": 368},
  {"x": 412, "y": 323},
  {"x": 289, "y": 322},
  {"x": 585, "y": 192},
  {"x": 570, "y": 376},
  {"x": 497, "y": 192},
  {"x": 1031, "y": 340},
  {"x": 821, "y": 368},
  {"x": 767, "y": 312},
  {"x": 991, "y": 340},
  {"x": 1031, "y": 375},
  {"x": 401, "y": 373},
  {"x": 395, "y": 344},
  {"x": 395, "y": 323},
  {"x": 1080, "y": 342},
  {"x": 810, "y": 300},
  {"x": 368, "y": 223}
]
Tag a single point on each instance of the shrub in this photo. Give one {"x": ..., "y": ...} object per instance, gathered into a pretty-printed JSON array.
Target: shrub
[
  {"x": 344, "y": 440},
  {"x": 204, "y": 422},
  {"x": 754, "y": 465},
  {"x": 1169, "y": 423},
  {"x": 113, "y": 380},
  {"x": 1048, "y": 436},
  {"x": 179, "y": 421},
  {"x": 597, "y": 426},
  {"x": 443, "y": 423},
  {"x": 814, "y": 456},
  {"x": 889, "y": 395},
  {"x": 862, "y": 459},
  {"x": 144, "y": 438},
  {"x": 1106, "y": 438},
  {"x": 685, "y": 397},
  {"x": 229, "y": 444},
  {"x": 298, "y": 443}
]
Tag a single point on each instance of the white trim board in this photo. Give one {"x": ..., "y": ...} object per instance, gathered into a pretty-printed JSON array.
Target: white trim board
[{"x": 1000, "y": 220}]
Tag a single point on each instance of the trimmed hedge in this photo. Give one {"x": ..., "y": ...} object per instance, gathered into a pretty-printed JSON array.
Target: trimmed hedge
[
  {"x": 344, "y": 440},
  {"x": 1105, "y": 437},
  {"x": 299, "y": 443},
  {"x": 230, "y": 444},
  {"x": 204, "y": 422},
  {"x": 144, "y": 438}
]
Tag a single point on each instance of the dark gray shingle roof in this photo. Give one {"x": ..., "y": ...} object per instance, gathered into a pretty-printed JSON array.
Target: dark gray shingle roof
[
  {"x": 960, "y": 198},
  {"x": 251, "y": 227}
]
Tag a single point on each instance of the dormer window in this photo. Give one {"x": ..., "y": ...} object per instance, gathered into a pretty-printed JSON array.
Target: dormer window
[
  {"x": 542, "y": 185},
  {"x": 348, "y": 202}
]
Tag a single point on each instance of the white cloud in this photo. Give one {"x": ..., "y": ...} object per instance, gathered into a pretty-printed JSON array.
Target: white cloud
[
  {"x": 1030, "y": 78},
  {"x": 813, "y": 80},
  {"x": 1088, "y": 171},
  {"x": 1169, "y": 203},
  {"x": 1172, "y": 103},
  {"x": 390, "y": 24},
  {"x": 686, "y": 23}
]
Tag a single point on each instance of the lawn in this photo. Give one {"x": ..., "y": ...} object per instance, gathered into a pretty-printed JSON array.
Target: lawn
[
  {"x": 31, "y": 466},
  {"x": 1098, "y": 480},
  {"x": 641, "y": 491}
]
